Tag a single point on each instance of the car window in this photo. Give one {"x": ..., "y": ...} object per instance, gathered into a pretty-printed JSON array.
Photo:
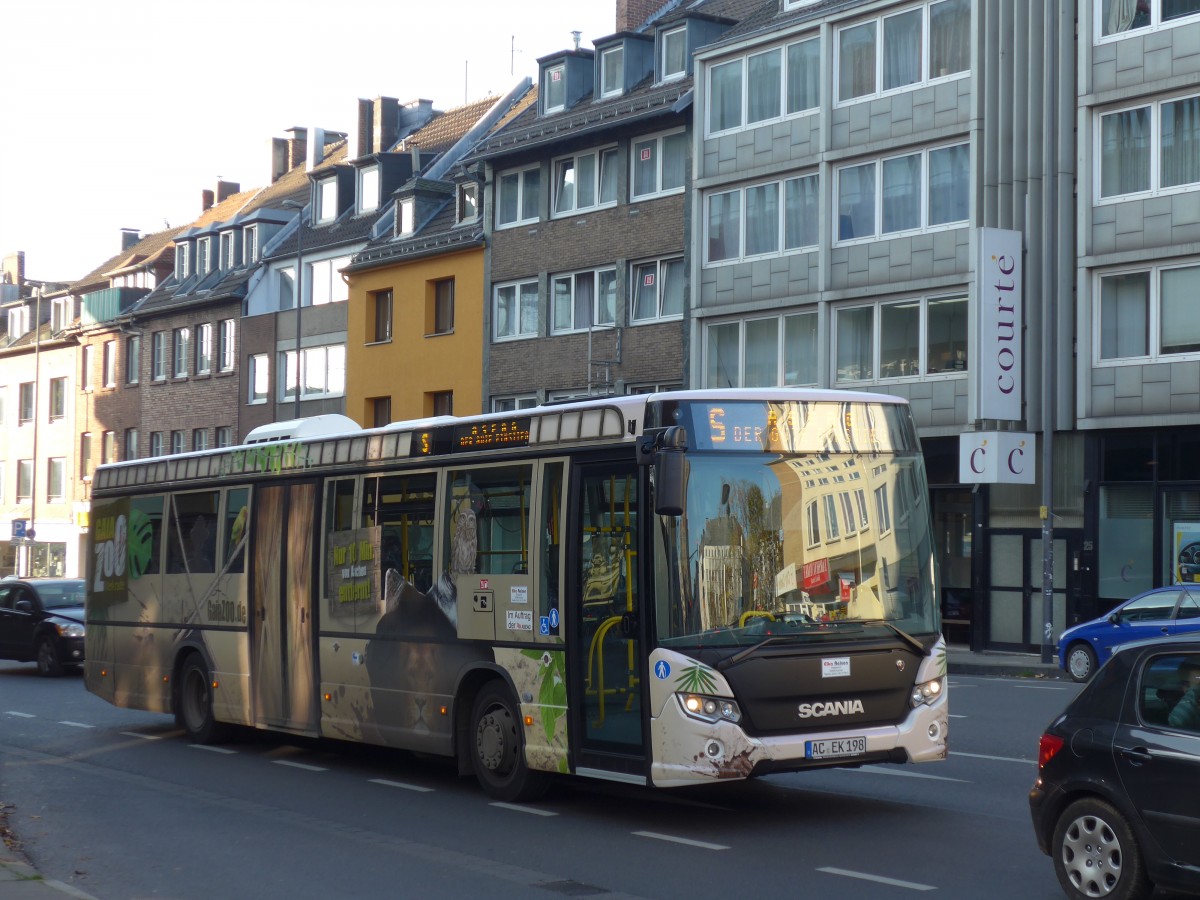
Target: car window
[
  {"x": 1189, "y": 607},
  {"x": 61, "y": 596},
  {"x": 1170, "y": 691},
  {"x": 1150, "y": 607}
]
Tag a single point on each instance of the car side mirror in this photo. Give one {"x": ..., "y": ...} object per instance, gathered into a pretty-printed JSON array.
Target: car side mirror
[
  {"x": 1115, "y": 619},
  {"x": 24, "y": 606}
]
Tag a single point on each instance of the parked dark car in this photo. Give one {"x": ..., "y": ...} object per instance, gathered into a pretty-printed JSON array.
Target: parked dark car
[
  {"x": 41, "y": 619},
  {"x": 1117, "y": 801},
  {"x": 1167, "y": 610}
]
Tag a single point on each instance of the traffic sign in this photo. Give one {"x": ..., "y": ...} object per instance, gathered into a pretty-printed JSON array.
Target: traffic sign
[{"x": 18, "y": 528}]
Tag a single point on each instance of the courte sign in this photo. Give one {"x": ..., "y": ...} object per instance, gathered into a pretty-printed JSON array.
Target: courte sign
[{"x": 998, "y": 283}]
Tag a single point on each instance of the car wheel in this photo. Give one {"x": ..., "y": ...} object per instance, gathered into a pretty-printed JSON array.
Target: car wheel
[
  {"x": 497, "y": 748},
  {"x": 194, "y": 703},
  {"x": 1081, "y": 662},
  {"x": 1096, "y": 854},
  {"x": 47, "y": 658}
]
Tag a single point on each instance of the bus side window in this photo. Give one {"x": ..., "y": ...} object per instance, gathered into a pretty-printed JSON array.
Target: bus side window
[
  {"x": 145, "y": 534},
  {"x": 192, "y": 536},
  {"x": 234, "y": 534}
]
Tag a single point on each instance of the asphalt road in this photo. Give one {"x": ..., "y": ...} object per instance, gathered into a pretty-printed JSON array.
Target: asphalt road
[{"x": 120, "y": 805}]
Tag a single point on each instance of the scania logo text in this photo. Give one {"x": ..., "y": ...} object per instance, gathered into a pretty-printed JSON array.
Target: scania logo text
[{"x": 831, "y": 708}]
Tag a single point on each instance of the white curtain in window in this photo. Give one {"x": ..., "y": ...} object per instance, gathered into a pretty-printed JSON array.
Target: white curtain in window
[
  {"x": 949, "y": 37},
  {"x": 508, "y": 191},
  {"x": 856, "y": 201},
  {"x": 724, "y": 236},
  {"x": 1125, "y": 152},
  {"x": 723, "y": 357},
  {"x": 800, "y": 212},
  {"x": 1180, "y": 326},
  {"x": 608, "y": 176},
  {"x": 762, "y": 352},
  {"x": 762, "y": 219},
  {"x": 1180, "y": 162},
  {"x": 765, "y": 86},
  {"x": 1118, "y": 15},
  {"x": 949, "y": 184},
  {"x": 902, "y": 193},
  {"x": 529, "y": 308},
  {"x": 645, "y": 167},
  {"x": 803, "y": 75},
  {"x": 902, "y": 49},
  {"x": 645, "y": 291},
  {"x": 725, "y": 97},
  {"x": 562, "y": 304},
  {"x": 1124, "y": 315},
  {"x": 585, "y": 296},
  {"x": 855, "y": 351},
  {"x": 606, "y": 307},
  {"x": 856, "y": 61},
  {"x": 800, "y": 349}
]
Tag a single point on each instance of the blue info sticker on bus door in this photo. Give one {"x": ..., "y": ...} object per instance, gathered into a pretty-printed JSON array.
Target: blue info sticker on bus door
[{"x": 835, "y": 667}]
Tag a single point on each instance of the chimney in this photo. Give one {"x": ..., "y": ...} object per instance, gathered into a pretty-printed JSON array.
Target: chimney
[
  {"x": 290, "y": 150},
  {"x": 315, "y": 151},
  {"x": 129, "y": 237},
  {"x": 411, "y": 116},
  {"x": 385, "y": 128},
  {"x": 14, "y": 268},
  {"x": 206, "y": 200},
  {"x": 226, "y": 189},
  {"x": 633, "y": 14},
  {"x": 359, "y": 143}
]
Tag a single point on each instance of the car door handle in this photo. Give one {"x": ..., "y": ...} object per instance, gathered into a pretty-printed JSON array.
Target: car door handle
[{"x": 1138, "y": 756}]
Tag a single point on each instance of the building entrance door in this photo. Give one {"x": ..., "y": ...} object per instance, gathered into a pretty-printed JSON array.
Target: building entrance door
[{"x": 1014, "y": 609}]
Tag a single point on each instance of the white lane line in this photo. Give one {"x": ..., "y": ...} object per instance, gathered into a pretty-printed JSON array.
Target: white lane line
[
  {"x": 147, "y": 737},
  {"x": 679, "y": 840},
  {"x": 895, "y": 882},
  {"x": 1039, "y": 687},
  {"x": 959, "y": 716},
  {"x": 525, "y": 809},
  {"x": 20, "y": 715},
  {"x": 297, "y": 765},
  {"x": 400, "y": 784},
  {"x": 906, "y": 773},
  {"x": 76, "y": 725},
  {"x": 211, "y": 749},
  {"x": 1028, "y": 762}
]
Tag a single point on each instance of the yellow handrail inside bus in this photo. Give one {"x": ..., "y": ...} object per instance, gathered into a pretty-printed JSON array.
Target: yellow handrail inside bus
[{"x": 752, "y": 613}]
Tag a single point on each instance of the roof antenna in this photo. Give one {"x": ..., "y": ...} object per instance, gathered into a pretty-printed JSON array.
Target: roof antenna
[{"x": 576, "y": 35}]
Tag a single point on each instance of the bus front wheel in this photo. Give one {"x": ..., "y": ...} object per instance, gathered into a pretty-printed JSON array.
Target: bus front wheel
[
  {"x": 194, "y": 702},
  {"x": 497, "y": 747}
]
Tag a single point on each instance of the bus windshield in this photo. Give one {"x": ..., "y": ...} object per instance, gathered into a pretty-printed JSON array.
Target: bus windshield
[{"x": 796, "y": 547}]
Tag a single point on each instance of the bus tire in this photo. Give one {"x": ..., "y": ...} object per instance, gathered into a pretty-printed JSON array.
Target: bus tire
[
  {"x": 194, "y": 703},
  {"x": 496, "y": 745}
]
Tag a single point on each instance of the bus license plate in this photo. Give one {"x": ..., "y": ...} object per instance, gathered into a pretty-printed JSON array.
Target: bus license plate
[{"x": 834, "y": 747}]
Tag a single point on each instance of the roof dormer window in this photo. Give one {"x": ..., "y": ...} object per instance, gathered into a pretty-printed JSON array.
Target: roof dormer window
[
  {"x": 408, "y": 214},
  {"x": 202, "y": 256},
  {"x": 327, "y": 200},
  {"x": 554, "y": 91},
  {"x": 368, "y": 189},
  {"x": 60, "y": 313},
  {"x": 182, "y": 261},
  {"x": 674, "y": 53},
  {"x": 468, "y": 201},
  {"x": 249, "y": 244},
  {"x": 18, "y": 322},
  {"x": 612, "y": 71},
  {"x": 227, "y": 258}
]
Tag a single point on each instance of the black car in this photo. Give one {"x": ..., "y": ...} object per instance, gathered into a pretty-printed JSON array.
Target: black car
[
  {"x": 1117, "y": 800},
  {"x": 42, "y": 619}
]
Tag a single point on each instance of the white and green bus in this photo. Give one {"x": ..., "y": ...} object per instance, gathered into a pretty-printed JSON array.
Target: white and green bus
[{"x": 664, "y": 589}]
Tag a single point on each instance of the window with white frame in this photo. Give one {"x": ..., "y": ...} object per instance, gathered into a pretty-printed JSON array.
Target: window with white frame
[
  {"x": 1148, "y": 148},
  {"x": 764, "y": 86},
  {"x": 612, "y": 71},
  {"x": 259, "y": 379},
  {"x": 322, "y": 373},
  {"x": 518, "y": 195},
  {"x": 156, "y": 443},
  {"x": 18, "y": 322},
  {"x": 204, "y": 346},
  {"x": 109, "y": 364},
  {"x": 554, "y": 88},
  {"x": 131, "y": 443},
  {"x": 108, "y": 447},
  {"x": 658, "y": 165},
  {"x": 901, "y": 339},
  {"x": 224, "y": 436},
  {"x": 133, "y": 359},
  {"x": 24, "y": 480},
  {"x": 227, "y": 257},
  {"x": 883, "y": 509},
  {"x": 327, "y": 200},
  {"x": 249, "y": 244},
  {"x": 831, "y": 518},
  {"x": 902, "y": 50},
  {"x": 761, "y": 219},
  {"x": 58, "y": 399},
  {"x": 25, "y": 411},
  {"x": 762, "y": 351},
  {"x": 515, "y": 310},
  {"x": 468, "y": 201},
  {"x": 585, "y": 181},
  {"x": 60, "y": 313},
  {"x": 85, "y": 454},
  {"x": 511, "y": 404},
  {"x": 656, "y": 290},
  {"x": 584, "y": 299},
  {"x": 407, "y": 219},
  {"x": 1116, "y": 18},
  {"x": 182, "y": 340},
  {"x": 673, "y": 46},
  {"x": 1148, "y": 313},
  {"x": 203, "y": 246},
  {"x": 158, "y": 355},
  {"x": 227, "y": 346},
  {"x": 326, "y": 282},
  {"x": 199, "y": 438},
  {"x": 56, "y": 467},
  {"x": 812, "y": 531},
  {"x": 182, "y": 261},
  {"x": 368, "y": 188},
  {"x": 926, "y": 189},
  {"x": 176, "y": 442}
]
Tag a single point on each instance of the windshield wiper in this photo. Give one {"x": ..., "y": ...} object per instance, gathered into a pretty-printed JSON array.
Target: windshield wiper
[
  {"x": 749, "y": 651},
  {"x": 903, "y": 635}
]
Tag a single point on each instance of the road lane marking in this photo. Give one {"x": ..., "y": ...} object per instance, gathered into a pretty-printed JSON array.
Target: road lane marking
[
  {"x": 76, "y": 725},
  {"x": 1039, "y": 687},
  {"x": 878, "y": 879},
  {"x": 402, "y": 785},
  {"x": 905, "y": 773},
  {"x": 1030, "y": 762},
  {"x": 20, "y": 715},
  {"x": 679, "y": 840},
  {"x": 211, "y": 749},
  {"x": 533, "y": 811},
  {"x": 147, "y": 737},
  {"x": 299, "y": 765}
]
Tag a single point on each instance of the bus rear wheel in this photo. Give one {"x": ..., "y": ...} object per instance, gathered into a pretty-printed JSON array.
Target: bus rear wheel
[
  {"x": 194, "y": 703},
  {"x": 497, "y": 748}
]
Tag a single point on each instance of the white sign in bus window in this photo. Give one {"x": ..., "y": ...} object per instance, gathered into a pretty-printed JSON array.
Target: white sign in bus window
[{"x": 520, "y": 620}]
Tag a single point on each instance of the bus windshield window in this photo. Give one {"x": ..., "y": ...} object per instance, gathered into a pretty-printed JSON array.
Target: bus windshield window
[{"x": 795, "y": 545}]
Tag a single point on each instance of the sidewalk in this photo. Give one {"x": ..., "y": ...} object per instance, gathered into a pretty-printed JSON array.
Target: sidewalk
[{"x": 20, "y": 881}]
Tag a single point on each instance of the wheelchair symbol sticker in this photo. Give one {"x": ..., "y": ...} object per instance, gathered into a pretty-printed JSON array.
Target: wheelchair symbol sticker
[{"x": 662, "y": 669}]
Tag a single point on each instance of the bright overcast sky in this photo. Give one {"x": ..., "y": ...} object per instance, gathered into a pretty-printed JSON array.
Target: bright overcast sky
[{"x": 117, "y": 115}]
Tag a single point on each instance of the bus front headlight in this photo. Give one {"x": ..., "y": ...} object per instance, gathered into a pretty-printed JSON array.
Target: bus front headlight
[
  {"x": 710, "y": 709},
  {"x": 926, "y": 692}
]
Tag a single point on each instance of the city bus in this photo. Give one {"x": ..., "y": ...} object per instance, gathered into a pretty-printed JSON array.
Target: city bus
[{"x": 665, "y": 589}]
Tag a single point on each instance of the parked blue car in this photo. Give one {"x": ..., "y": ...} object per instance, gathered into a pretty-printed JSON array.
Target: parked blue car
[{"x": 1167, "y": 610}]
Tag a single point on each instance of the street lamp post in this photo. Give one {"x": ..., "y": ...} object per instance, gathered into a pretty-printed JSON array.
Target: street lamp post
[
  {"x": 31, "y": 529},
  {"x": 297, "y": 205}
]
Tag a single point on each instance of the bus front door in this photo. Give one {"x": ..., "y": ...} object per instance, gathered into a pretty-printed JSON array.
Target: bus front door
[
  {"x": 606, "y": 701},
  {"x": 282, "y": 668}
]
